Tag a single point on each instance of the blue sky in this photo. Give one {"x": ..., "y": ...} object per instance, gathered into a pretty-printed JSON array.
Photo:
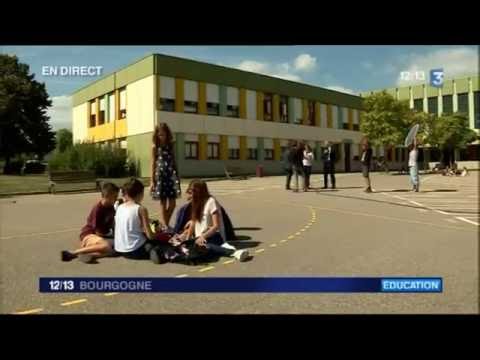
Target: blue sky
[{"x": 350, "y": 69}]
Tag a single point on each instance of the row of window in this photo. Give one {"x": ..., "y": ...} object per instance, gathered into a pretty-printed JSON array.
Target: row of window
[
  {"x": 213, "y": 152},
  {"x": 107, "y": 108},
  {"x": 447, "y": 105},
  {"x": 191, "y": 106}
]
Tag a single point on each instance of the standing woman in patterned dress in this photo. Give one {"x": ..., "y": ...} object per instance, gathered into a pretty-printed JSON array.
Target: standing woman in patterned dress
[{"x": 165, "y": 183}]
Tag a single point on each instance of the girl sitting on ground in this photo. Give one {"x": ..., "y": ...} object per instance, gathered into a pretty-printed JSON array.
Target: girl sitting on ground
[{"x": 206, "y": 226}]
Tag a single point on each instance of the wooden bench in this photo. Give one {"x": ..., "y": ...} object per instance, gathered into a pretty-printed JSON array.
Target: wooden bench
[
  {"x": 72, "y": 177},
  {"x": 232, "y": 173}
]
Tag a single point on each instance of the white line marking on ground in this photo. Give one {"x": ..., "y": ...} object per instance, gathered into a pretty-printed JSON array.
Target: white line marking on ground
[{"x": 468, "y": 221}]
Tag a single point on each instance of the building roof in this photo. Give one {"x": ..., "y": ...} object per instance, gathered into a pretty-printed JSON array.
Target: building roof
[{"x": 204, "y": 72}]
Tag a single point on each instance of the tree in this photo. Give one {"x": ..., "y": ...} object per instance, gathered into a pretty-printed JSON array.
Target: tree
[
  {"x": 451, "y": 132},
  {"x": 385, "y": 119},
  {"x": 23, "y": 107},
  {"x": 64, "y": 139}
]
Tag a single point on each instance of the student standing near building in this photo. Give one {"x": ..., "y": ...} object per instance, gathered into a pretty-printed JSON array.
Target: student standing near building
[
  {"x": 297, "y": 165},
  {"x": 329, "y": 157},
  {"x": 287, "y": 159},
  {"x": 165, "y": 182},
  {"x": 366, "y": 160},
  {"x": 308, "y": 158},
  {"x": 413, "y": 166}
]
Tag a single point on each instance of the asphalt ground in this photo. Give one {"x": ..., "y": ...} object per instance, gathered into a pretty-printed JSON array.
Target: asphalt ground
[{"x": 341, "y": 232}]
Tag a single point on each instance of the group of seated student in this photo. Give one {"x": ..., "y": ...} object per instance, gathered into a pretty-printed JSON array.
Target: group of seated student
[{"x": 123, "y": 228}]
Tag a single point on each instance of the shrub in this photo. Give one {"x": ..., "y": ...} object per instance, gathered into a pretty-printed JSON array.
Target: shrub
[{"x": 104, "y": 161}]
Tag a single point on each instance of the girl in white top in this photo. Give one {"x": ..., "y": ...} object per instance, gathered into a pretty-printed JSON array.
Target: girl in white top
[
  {"x": 132, "y": 230},
  {"x": 206, "y": 224},
  {"x": 308, "y": 158}
]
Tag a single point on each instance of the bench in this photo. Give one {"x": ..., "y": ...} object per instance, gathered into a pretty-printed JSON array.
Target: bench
[
  {"x": 232, "y": 173},
  {"x": 72, "y": 177}
]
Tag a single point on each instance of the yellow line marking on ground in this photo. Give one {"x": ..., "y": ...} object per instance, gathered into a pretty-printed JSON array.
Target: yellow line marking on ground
[
  {"x": 110, "y": 294},
  {"x": 273, "y": 245},
  {"x": 304, "y": 229},
  {"x": 26, "y": 312},
  {"x": 181, "y": 275},
  {"x": 298, "y": 233},
  {"x": 284, "y": 240},
  {"x": 259, "y": 250},
  {"x": 208, "y": 268},
  {"x": 228, "y": 262},
  {"x": 291, "y": 237},
  {"x": 68, "y": 303}
]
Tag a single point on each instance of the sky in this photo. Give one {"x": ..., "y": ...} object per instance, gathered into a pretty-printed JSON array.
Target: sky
[{"x": 346, "y": 68}]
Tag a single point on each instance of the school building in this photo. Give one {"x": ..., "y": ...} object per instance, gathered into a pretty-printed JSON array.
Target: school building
[
  {"x": 221, "y": 117},
  {"x": 460, "y": 95}
]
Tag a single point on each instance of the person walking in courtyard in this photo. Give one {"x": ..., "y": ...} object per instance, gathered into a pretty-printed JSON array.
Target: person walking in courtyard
[
  {"x": 165, "y": 182},
  {"x": 297, "y": 159},
  {"x": 413, "y": 166},
  {"x": 308, "y": 158},
  {"x": 329, "y": 157},
  {"x": 366, "y": 160}
]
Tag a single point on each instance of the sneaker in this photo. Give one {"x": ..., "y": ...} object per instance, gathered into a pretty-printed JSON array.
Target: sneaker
[
  {"x": 368, "y": 190},
  {"x": 86, "y": 258},
  {"x": 241, "y": 255},
  {"x": 67, "y": 255}
]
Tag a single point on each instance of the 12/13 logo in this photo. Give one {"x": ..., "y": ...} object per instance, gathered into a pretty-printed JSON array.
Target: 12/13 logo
[{"x": 436, "y": 77}]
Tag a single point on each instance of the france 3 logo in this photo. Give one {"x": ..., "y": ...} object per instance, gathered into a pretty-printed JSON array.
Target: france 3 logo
[{"x": 436, "y": 76}]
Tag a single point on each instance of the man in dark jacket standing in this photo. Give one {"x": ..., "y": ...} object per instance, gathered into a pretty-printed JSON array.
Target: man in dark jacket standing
[
  {"x": 366, "y": 160},
  {"x": 329, "y": 157},
  {"x": 288, "y": 158}
]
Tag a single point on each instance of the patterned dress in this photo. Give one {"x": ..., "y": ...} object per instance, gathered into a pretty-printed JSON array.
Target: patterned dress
[{"x": 167, "y": 184}]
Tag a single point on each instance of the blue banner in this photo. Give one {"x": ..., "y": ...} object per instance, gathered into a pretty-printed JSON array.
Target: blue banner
[{"x": 242, "y": 285}]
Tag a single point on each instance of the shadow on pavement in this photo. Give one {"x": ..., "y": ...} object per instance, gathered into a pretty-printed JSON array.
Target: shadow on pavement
[
  {"x": 242, "y": 238},
  {"x": 247, "y": 228},
  {"x": 244, "y": 244}
]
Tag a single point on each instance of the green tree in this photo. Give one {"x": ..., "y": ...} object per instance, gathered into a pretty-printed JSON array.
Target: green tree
[
  {"x": 64, "y": 139},
  {"x": 23, "y": 112},
  {"x": 385, "y": 119},
  {"x": 452, "y": 132}
]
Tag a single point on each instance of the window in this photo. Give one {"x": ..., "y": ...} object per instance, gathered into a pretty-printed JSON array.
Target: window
[
  {"x": 101, "y": 114},
  {"x": 232, "y": 102},
  {"x": 311, "y": 113},
  {"x": 433, "y": 105},
  {"x": 233, "y": 147},
  {"x": 283, "y": 111},
  {"x": 111, "y": 107},
  {"x": 190, "y": 107},
  {"x": 345, "y": 126},
  {"x": 252, "y": 154},
  {"x": 167, "y": 104},
  {"x": 418, "y": 104},
  {"x": 267, "y": 107},
  {"x": 389, "y": 154},
  {"x": 123, "y": 103},
  {"x": 191, "y": 150},
  {"x": 213, "y": 151},
  {"x": 447, "y": 104},
  {"x": 190, "y": 97},
  {"x": 463, "y": 103},
  {"x": 167, "y": 93},
  {"x": 233, "y": 154},
  {"x": 356, "y": 127},
  {"x": 213, "y": 108},
  {"x": 476, "y": 109},
  {"x": 298, "y": 111},
  {"x": 93, "y": 113},
  {"x": 268, "y": 154},
  {"x": 232, "y": 111}
]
